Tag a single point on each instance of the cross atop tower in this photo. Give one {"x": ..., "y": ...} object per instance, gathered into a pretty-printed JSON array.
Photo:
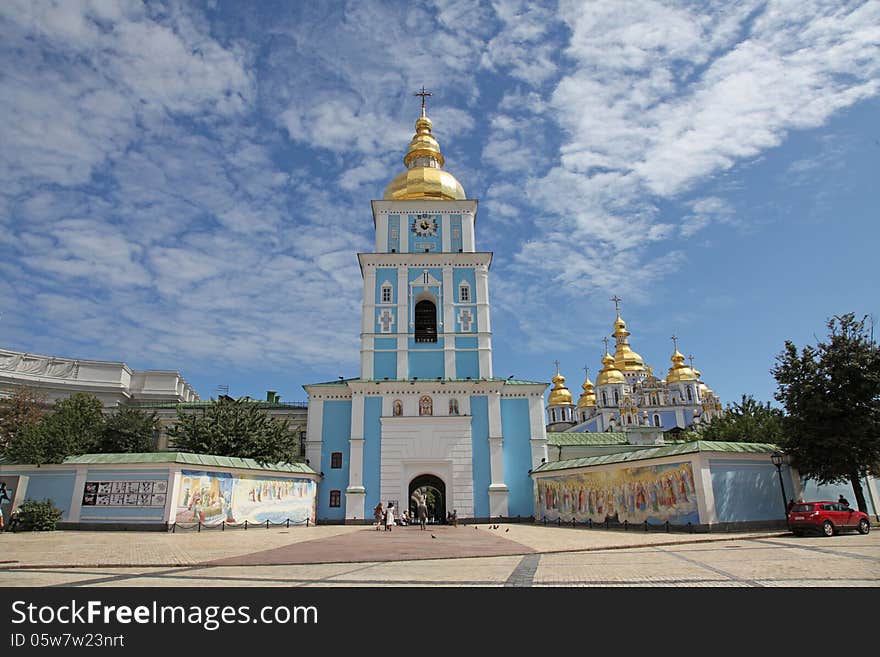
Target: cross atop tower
[
  {"x": 424, "y": 94},
  {"x": 556, "y": 362},
  {"x": 587, "y": 371},
  {"x": 616, "y": 299},
  {"x": 674, "y": 339},
  {"x": 605, "y": 340},
  {"x": 691, "y": 359}
]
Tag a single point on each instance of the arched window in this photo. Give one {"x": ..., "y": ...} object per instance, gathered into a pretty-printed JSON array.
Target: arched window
[
  {"x": 426, "y": 406},
  {"x": 656, "y": 420},
  {"x": 629, "y": 419},
  {"x": 426, "y": 321},
  {"x": 397, "y": 409},
  {"x": 604, "y": 399},
  {"x": 690, "y": 396},
  {"x": 616, "y": 397},
  {"x": 453, "y": 406}
]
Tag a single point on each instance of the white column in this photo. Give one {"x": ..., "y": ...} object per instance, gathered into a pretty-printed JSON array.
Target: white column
[
  {"x": 172, "y": 498},
  {"x": 449, "y": 297},
  {"x": 537, "y": 430},
  {"x": 79, "y": 485},
  {"x": 382, "y": 233},
  {"x": 368, "y": 318},
  {"x": 498, "y": 490},
  {"x": 368, "y": 360},
  {"x": 445, "y": 233},
  {"x": 402, "y": 321},
  {"x": 467, "y": 232},
  {"x": 705, "y": 494},
  {"x": 355, "y": 492},
  {"x": 314, "y": 438},
  {"x": 404, "y": 232}
]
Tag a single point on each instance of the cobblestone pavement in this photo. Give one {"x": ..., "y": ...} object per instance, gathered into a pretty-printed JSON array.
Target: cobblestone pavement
[{"x": 512, "y": 555}]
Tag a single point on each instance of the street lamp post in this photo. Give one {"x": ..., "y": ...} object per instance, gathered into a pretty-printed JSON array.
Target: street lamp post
[{"x": 778, "y": 459}]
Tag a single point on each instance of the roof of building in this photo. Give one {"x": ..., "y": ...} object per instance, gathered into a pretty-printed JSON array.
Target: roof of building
[
  {"x": 187, "y": 458},
  {"x": 512, "y": 382},
  {"x": 658, "y": 452},
  {"x": 570, "y": 439}
]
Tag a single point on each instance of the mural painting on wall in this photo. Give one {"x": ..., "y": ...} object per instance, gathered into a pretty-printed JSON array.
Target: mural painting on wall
[
  {"x": 657, "y": 493},
  {"x": 215, "y": 497},
  {"x": 124, "y": 493}
]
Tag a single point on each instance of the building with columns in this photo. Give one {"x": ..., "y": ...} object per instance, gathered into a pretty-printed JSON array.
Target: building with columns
[{"x": 427, "y": 411}]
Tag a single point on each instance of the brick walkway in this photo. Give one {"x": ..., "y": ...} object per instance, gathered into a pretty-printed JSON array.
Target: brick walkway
[{"x": 400, "y": 544}]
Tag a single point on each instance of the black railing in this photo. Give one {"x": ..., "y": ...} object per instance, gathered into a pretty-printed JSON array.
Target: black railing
[
  {"x": 667, "y": 527},
  {"x": 223, "y": 526}
]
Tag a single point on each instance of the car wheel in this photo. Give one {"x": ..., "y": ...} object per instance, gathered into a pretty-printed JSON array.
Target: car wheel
[
  {"x": 828, "y": 528},
  {"x": 864, "y": 526}
]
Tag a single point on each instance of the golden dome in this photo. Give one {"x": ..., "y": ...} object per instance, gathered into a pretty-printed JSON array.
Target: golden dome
[
  {"x": 424, "y": 177},
  {"x": 559, "y": 395},
  {"x": 625, "y": 359},
  {"x": 679, "y": 371},
  {"x": 588, "y": 398},
  {"x": 609, "y": 373}
]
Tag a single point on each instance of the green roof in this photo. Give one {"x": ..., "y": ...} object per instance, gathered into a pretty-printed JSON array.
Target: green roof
[
  {"x": 586, "y": 439},
  {"x": 187, "y": 458},
  {"x": 658, "y": 452}
]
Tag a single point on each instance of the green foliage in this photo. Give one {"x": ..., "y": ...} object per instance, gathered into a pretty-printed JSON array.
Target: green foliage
[
  {"x": 831, "y": 394},
  {"x": 749, "y": 421},
  {"x": 20, "y": 413},
  {"x": 38, "y": 516},
  {"x": 129, "y": 429},
  {"x": 235, "y": 428}
]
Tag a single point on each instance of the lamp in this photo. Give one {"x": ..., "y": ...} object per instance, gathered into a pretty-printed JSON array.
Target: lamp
[{"x": 778, "y": 458}]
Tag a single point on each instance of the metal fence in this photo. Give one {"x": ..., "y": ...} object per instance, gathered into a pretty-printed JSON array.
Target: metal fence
[{"x": 223, "y": 526}]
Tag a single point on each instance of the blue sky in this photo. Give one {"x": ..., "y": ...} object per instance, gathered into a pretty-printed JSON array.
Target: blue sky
[{"x": 185, "y": 186}]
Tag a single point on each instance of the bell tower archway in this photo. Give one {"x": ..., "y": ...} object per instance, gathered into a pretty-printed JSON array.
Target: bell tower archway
[{"x": 435, "y": 490}]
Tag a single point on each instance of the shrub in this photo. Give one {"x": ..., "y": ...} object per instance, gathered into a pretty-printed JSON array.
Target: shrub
[{"x": 38, "y": 516}]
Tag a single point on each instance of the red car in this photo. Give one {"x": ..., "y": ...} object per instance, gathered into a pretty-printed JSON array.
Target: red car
[{"x": 828, "y": 518}]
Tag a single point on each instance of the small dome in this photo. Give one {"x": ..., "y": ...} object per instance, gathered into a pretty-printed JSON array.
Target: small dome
[
  {"x": 424, "y": 177},
  {"x": 609, "y": 373},
  {"x": 625, "y": 359},
  {"x": 588, "y": 398},
  {"x": 559, "y": 395},
  {"x": 679, "y": 371}
]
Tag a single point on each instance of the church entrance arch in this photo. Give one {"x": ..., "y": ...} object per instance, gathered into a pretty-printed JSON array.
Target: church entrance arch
[{"x": 435, "y": 490}]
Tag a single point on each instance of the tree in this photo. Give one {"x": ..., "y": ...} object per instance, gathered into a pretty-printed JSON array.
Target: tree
[
  {"x": 129, "y": 429},
  {"x": 74, "y": 427},
  {"x": 831, "y": 395},
  {"x": 20, "y": 412},
  {"x": 749, "y": 421},
  {"x": 230, "y": 427}
]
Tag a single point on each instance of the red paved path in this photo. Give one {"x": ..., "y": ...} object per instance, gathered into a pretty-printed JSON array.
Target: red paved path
[{"x": 402, "y": 543}]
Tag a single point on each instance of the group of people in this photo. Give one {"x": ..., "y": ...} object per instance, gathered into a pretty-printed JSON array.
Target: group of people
[{"x": 388, "y": 517}]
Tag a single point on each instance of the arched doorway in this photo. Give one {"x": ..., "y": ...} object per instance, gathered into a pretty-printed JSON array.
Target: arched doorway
[{"x": 435, "y": 490}]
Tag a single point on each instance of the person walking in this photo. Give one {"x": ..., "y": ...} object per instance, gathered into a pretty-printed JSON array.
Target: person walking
[
  {"x": 379, "y": 515},
  {"x": 389, "y": 517},
  {"x": 843, "y": 500}
]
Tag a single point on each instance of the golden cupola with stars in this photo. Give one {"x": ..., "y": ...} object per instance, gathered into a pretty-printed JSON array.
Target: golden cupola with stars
[
  {"x": 588, "y": 397},
  {"x": 424, "y": 177}
]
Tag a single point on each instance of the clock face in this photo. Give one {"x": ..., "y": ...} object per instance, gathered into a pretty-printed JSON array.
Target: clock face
[{"x": 424, "y": 225}]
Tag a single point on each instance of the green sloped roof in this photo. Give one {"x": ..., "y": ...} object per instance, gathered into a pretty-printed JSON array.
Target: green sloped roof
[
  {"x": 205, "y": 460},
  {"x": 586, "y": 439},
  {"x": 658, "y": 452}
]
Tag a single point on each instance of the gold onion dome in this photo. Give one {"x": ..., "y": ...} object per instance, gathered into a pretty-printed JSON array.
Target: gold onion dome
[
  {"x": 559, "y": 395},
  {"x": 588, "y": 398},
  {"x": 609, "y": 373},
  {"x": 679, "y": 371},
  {"x": 625, "y": 359},
  {"x": 424, "y": 178}
]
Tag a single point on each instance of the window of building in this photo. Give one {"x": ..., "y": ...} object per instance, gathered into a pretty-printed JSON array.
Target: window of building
[
  {"x": 464, "y": 292},
  {"x": 426, "y": 321},
  {"x": 336, "y": 460},
  {"x": 656, "y": 420},
  {"x": 616, "y": 397},
  {"x": 690, "y": 396},
  {"x": 386, "y": 293},
  {"x": 335, "y": 498},
  {"x": 604, "y": 399},
  {"x": 397, "y": 408}
]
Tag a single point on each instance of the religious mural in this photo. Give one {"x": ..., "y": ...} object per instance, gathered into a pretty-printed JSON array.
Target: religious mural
[
  {"x": 215, "y": 497},
  {"x": 657, "y": 493}
]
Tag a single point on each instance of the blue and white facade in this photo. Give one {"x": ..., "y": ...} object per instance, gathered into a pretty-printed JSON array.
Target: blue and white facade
[{"x": 426, "y": 402}]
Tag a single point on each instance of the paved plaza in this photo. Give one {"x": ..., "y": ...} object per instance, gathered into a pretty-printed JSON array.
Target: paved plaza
[{"x": 511, "y": 555}]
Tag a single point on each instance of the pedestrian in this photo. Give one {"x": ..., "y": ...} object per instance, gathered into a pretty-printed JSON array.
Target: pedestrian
[
  {"x": 843, "y": 500},
  {"x": 389, "y": 517},
  {"x": 790, "y": 505},
  {"x": 379, "y": 515}
]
